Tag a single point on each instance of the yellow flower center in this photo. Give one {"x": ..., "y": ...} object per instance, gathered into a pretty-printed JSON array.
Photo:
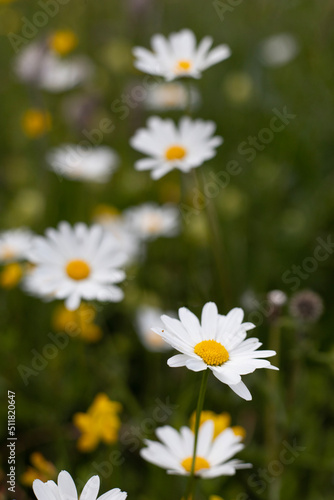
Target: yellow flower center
[
  {"x": 183, "y": 65},
  {"x": 11, "y": 275},
  {"x": 7, "y": 253},
  {"x": 200, "y": 463},
  {"x": 175, "y": 153},
  {"x": 153, "y": 223},
  {"x": 106, "y": 212},
  {"x": 36, "y": 122},
  {"x": 171, "y": 95},
  {"x": 78, "y": 269},
  {"x": 63, "y": 41},
  {"x": 213, "y": 353}
]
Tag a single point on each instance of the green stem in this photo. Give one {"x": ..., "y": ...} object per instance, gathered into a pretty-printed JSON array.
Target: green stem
[
  {"x": 272, "y": 431},
  {"x": 217, "y": 245},
  {"x": 200, "y": 403}
]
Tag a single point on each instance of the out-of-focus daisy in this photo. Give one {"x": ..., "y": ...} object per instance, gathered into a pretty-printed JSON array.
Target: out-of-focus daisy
[
  {"x": 76, "y": 263},
  {"x": 79, "y": 323},
  {"x": 221, "y": 421},
  {"x": 63, "y": 41},
  {"x": 66, "y": 489},
  {"x": 217, "y": 343},
  {"x": 175, "y": 452},
  {"x": 277, "y": 298},
  {"x": 36, "y": 64},
  {"x": 100, "y": 423},
  {"x": 36, "y": 122},
  {"x": 41, "y": 469},
  {"x": 178, "y": 56},
  {"x": 278, "y": 50},
  {"x": 15, "y": 244},
  {"x": 95, "y": 164},
  {"x": 168, "y": 146},
  {"x": 238, "y": 87},
  {"x": 115, "y": 223},
  {"x": 147, "y": 316},
  {"x": 149, "y": 221},
  {"x": 169, "y": 96}
]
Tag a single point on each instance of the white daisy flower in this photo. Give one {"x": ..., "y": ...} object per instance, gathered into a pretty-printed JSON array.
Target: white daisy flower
[
  {"x": 147, "y": 316},
  {"x": 15, "y": 244},
  {"x": 277, "y": 298},
  {"x": 119, "y": 228},
  {"x": 170, "y": 96},
  {"x": 76, "y": 263},
  {"x": 95, "y": 164},
  {"x": 217, "y": 343},
  {"x": 66, "y": 489},
  {"x": 175, "y": 452},
  {"x": 168, "y": 146},
  {"x": 149, "y": 221},
  {"x": 39, "y": 66},
  {"x": 278, "y": 50},
  {"x": 178, "y": 55}
]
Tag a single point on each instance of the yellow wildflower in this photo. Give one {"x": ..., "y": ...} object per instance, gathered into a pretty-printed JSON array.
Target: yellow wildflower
[
  {"x": 41, "y": 469},
  {"x": 100, "y": 423},
  {"x": 11, "y": 275},
  {"x": 221, "y": 422},
  {"x": 239, "y": 431},
  {"x": 63, "y": 41},
  {"x": 77, "y": 323},
  {"x": 36, "y": 122}
]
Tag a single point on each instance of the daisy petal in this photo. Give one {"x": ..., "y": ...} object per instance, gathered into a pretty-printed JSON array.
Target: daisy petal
[
  {"x": 91, "y": 489},
  {"x": 66, "y": 486},
  {"x": 178, "y": 360},
  {"x": 241, "y": 390},
  {"x": 42, "y": 490},
  {"x": 209, "y": 320}
]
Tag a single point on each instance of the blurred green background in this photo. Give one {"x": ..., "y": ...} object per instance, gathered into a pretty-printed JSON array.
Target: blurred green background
[{"x": 270, "y": 217}]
